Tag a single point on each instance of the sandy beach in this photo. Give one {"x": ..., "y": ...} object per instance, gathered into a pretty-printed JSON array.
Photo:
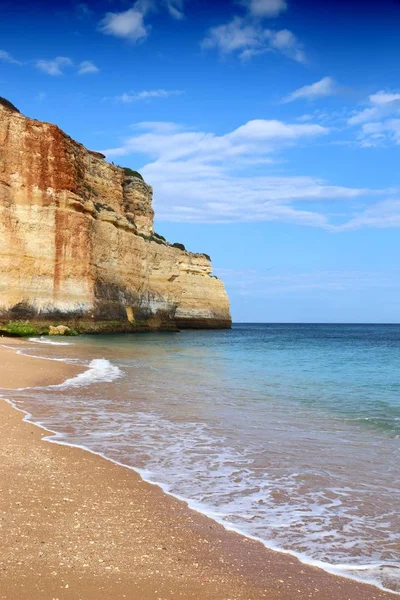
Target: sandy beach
[{"x": 76, "y": 526}]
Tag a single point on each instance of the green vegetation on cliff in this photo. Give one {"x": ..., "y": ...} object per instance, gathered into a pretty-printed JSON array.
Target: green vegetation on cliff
[
  {"x": 180, "y": 246},
  {"x": 131, "y": 173},
  {"x": 28, "y": 329},
  {"x": 22, "y": 329}
]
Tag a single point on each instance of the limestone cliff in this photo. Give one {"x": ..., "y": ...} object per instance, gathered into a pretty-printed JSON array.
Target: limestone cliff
[{"x": 77, "y": 242}]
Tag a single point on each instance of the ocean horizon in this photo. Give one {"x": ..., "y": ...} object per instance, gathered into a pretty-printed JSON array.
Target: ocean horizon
[{"x": 312, "y": 323}]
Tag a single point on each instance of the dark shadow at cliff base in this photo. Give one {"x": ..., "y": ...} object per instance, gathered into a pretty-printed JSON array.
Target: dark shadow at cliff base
[
  {"x": 156, "y": 323},
  {"x": 203, "y": 323}
]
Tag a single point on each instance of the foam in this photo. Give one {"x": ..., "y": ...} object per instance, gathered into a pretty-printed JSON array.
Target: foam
[
  {"x": 349, "y": 571},
  {"x": 99, "y": 370},
  {"x": 205, "y": 480},
  {"x": 45, "y": 340},
  {"x": 191, "y": 462}
]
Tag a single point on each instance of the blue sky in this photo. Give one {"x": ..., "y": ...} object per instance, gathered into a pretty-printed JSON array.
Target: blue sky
[{"x": 269, "y": 129}]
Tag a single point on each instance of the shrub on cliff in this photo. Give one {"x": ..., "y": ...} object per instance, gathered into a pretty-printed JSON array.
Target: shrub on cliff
[
  {"x": 131, "y": 173},
  {"x": 160, "y": 237},
  {"x": 180, "y": 246},
  {"x": 8, "y": 104},
  {"x": 20, "y": 329}
]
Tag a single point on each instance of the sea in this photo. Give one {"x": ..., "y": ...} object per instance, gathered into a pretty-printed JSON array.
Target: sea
[{"x": 286, "y": 433}]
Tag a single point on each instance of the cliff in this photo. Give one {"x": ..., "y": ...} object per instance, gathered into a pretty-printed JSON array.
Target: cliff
[{"x": 77, "y": 242}]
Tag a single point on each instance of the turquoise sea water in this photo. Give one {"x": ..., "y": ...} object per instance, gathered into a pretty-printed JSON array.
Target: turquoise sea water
[{"x": 288, "y": 433}]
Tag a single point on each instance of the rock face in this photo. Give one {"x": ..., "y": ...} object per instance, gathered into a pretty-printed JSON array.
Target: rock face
[
  {"x": 59, "y": 330},
  {"x": 77, "y": 243}
]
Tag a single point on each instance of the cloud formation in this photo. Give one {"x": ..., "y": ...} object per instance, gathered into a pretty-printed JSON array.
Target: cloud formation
[
  {"x": 378, "y": 122},
  {"x": 257, "y": 137},
  {"x": 6, "y": 57},
  {"x": 175, "y": 8},
  {"x": 130, "y": 24},
  {"x": 382, "y": 215},
  {"x": 203, "y": 177},
  {"x": 322, "y": 88},
  {"x": 382, "y": 104},
  {"x": 127, "y": 98},
  {"x": 87, "y": 67},
  {"x": 248, "y": 38},
  {"x": 265, "y": 8},
  {"x": 55, "y": 66}
]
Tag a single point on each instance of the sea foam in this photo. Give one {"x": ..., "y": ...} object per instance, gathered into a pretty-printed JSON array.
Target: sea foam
[
  {"x": 45, "y": 340},
  {"x": 99, "y": 370},
  {"x": 250, "y": 447}
]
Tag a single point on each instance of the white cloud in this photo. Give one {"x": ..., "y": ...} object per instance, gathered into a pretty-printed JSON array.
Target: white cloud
[
  {"x": 261, "y": 130},
  {"x": 249, "y": 38},
  {"x": 363, "y": 116},
  {"x": 175, "y": 8},
  {"x": 203, "y": 177},
  {"x": 304, "y": 118},
  {"x": 382, "y": 104},
  {"x": 127, "y": 98},
  {"x": 86, "y": 67},
  {"x": 381, "y": 215},
  {"x": 237, "y": 35},
  {"x": 377, "y": 133},
  {"x": 378, "y": 121},
  {"x": 383, "y": 97},
  {"x": 6, "y": 57},
  {"x": 257, "y": 137},
  {"x": 285, "y": 41},
  {"x": 324, "y": 87},
  {"x": 265, "y": 8},
  {"x": 128, "y": 24},
  {"x": 195, "y": 191},
  {"x": 55, "y": 66}
]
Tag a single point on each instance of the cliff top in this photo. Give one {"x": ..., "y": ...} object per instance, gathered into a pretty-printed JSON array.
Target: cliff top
[
  {"x": 132, "y": 200},
  {"x": 7, "y": 104}
]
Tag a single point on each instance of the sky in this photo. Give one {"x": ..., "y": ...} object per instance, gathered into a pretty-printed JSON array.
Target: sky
[{"x": 269, "y": 130}]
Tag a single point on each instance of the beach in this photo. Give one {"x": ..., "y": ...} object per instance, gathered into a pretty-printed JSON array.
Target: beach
[{"x": 75, "y": 525}]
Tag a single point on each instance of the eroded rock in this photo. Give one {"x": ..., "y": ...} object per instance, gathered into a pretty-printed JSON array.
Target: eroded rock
[
  {"x": 59, "y": 330},
  {"x": 77, "y": 240}
]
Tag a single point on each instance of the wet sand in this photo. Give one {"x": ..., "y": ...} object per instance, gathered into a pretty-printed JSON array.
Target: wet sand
[{"x": 76, "y": 526}]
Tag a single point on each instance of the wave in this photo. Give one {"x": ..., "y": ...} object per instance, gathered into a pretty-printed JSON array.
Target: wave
[
  {"x": 373, "y": 572},
  {"x": 347, "y": 571},
  {"x": 100, "y": 371},
  {"x": 381, "y": 575},
  {"x": 45, "y": 340}
]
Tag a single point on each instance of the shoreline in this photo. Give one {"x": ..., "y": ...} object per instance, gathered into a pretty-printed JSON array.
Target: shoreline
[{"x": 165, "y": 549}]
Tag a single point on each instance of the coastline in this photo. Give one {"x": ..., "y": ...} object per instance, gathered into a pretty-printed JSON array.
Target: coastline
[{"x": 76, "y": 525}]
